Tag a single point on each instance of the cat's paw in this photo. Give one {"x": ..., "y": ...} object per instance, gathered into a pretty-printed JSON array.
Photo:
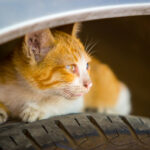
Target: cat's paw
[
  {"x": 3, "y": 116},
  {"x": 31, "y": 113}
]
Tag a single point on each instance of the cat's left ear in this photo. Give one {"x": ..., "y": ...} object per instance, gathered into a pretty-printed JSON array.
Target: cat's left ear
[
  {"x": 71, "y": 29},
  {"x": 37, "y": 45}
]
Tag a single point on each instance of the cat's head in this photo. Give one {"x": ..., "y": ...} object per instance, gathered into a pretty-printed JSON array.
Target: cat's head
[{"x": 56, "y": 62}]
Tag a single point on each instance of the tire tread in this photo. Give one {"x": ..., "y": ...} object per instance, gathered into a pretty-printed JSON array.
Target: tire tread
[{"x": 90, "y": 131}]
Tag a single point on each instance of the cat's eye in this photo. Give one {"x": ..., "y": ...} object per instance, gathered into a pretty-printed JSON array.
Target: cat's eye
[
  {"x": 87, "y": 66},
  {"x": 72, "y": 68}
]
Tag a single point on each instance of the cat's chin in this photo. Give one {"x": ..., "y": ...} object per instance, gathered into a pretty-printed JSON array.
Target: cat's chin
[{"x": 73, "y": 97}]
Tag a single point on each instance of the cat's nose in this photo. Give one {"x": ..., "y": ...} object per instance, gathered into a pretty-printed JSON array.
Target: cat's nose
[{"x": 87, "y": 84}]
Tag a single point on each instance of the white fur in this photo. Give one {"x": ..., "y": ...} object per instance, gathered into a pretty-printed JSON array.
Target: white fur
[
  {"x": 83, "y": 74},
  {"x": 37, "y": 111},
  {"x": 123, "y": 105},
  {"x": 64, "y": 106}
]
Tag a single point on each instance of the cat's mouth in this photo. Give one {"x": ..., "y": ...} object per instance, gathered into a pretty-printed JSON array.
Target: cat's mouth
[{"x": 73, "y": 95}]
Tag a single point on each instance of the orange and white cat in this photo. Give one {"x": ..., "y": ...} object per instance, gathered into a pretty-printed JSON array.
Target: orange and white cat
[{"x": 50, "y": 73}]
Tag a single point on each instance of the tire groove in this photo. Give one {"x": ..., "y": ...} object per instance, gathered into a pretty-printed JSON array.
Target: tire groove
[
  {"x": 44, "y": 128},
  {"x": 46, "y": 131},
  {"x": 13, "y": 140},
  {"x": 31, "y": 139},
  {"x": 131, "y": 129},
  {"x": 109, "y": 119},
  {"x": 66, "y": 133},
  {"x": 77, "y": 121},
  {"x": 98, "y": 128}
]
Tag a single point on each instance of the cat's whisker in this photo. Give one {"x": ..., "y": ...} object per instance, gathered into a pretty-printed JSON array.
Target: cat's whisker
[
  {"x": 90, "y": 50},
  {"x": 86, "y": 42},
  {"x": 89, "y": 44}
]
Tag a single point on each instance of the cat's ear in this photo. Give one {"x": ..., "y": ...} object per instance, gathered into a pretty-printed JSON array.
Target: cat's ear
[
  {"x": 71, "y": 29},
  {"x": 38, "y": 44},
  {"x": 76, "y": 28}
]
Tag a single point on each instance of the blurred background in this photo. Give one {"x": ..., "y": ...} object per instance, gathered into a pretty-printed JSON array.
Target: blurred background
[{"x": 123, "y": 44}]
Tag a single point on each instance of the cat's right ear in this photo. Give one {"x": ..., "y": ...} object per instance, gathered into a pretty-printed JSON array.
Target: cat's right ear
[{"x": 37, "y": 45}]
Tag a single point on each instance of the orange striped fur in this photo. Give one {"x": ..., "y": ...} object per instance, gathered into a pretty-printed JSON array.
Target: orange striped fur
[{"x": 48, "y": 74}]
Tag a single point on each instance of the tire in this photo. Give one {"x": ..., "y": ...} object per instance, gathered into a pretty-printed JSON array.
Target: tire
[{"x": 87, "y": 131}]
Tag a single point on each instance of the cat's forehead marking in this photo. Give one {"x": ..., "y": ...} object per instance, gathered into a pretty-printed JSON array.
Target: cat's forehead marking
[
  {"x": 69, "y": 50},
  {"x": 78, "y": 54},
  {"x": 78, "y": 50}
]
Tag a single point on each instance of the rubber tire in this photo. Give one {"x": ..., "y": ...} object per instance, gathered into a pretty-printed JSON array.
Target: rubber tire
[{"x": 87, "y": 131}]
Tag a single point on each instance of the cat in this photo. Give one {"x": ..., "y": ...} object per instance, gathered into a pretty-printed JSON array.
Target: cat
[{"x": 50, "y": 73}]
